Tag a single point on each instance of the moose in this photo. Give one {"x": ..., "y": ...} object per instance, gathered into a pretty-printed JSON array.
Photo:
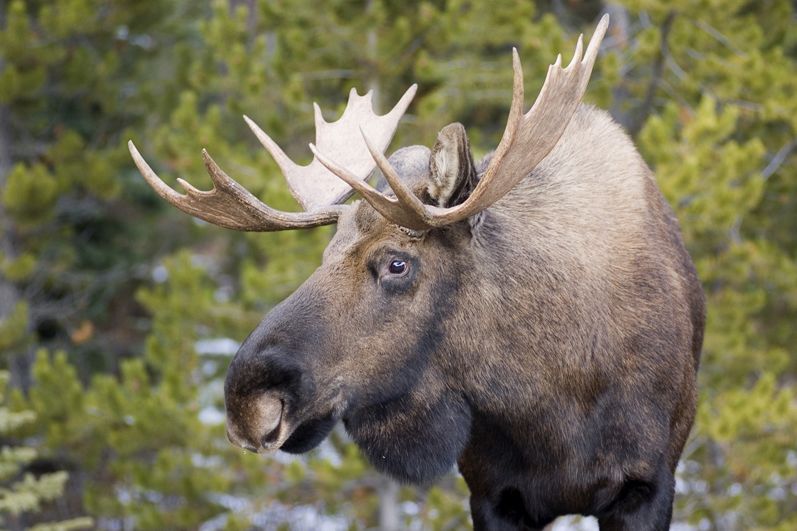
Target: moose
[{"x": 533, "y": 318}]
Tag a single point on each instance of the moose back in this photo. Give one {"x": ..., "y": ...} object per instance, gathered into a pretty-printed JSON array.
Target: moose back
[{"x": 533, "y": 317}]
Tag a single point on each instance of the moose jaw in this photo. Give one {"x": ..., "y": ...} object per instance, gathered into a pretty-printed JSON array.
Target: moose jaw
[{"x": 534, "y": 318}]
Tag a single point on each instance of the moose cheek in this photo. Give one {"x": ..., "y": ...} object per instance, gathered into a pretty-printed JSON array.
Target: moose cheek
[{"x": 394, "y": 285}]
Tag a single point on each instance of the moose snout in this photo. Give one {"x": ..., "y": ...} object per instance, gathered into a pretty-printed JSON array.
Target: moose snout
[
  {"x": 261, "y": 426},
  {"x": 261, "y": 388}
]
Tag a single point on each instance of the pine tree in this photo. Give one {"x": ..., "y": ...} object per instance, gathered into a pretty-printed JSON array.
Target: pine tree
[
  {"x": 20, "y": 491},
  {"x": 719, "y": 129},
  {"x": 111, "y": 301}
]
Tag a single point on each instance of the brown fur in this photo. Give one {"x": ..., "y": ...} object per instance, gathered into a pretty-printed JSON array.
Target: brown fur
[{"x": 549, "y": 345}]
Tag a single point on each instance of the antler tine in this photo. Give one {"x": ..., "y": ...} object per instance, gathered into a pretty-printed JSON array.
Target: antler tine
[
  {"x": 577, "y": 54},
  {"x": 403, "y": 103},
  {"x": 414, "y": 217},
  {"x": 286, "y": 165},
  {"x": 317, "y": 115},
  {"x": 318, "y": 191},
  {"x": 229, "y": 204},
  {"x": 313, "y": 185},
  {"x": 527, "y": 140}
]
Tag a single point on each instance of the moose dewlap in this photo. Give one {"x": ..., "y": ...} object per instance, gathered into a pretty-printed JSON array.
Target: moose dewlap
[{"x": 533, "y": 318}]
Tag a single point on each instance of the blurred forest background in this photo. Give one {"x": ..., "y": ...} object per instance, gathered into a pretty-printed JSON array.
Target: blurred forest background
[{"x": 119, "y": 314}]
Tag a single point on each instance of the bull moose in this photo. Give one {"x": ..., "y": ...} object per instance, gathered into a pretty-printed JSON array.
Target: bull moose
[{"x": 534, "y": 318}]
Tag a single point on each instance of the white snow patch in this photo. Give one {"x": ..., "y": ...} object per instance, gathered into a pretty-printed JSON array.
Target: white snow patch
[
  {"x": 300, "y": 518},
  {"x": 160, "y": 274},
  {"x": 211, "y": 416},
  {"x": 217, "y": 346},
  {"x": 575, "y": 523}
]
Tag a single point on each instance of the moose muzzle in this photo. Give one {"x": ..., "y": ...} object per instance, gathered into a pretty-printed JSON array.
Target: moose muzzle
[
  {"x": 262, "y": 386},
  {"x": 261, "y": 431}
]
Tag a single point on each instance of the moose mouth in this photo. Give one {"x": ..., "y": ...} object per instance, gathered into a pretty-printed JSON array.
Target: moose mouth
[{"x": 309, "y": 434}]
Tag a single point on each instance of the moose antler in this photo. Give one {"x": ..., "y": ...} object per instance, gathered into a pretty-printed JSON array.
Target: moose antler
[
  {"x": 317, "y": 190},
  {"x": 527, "y": 140}
]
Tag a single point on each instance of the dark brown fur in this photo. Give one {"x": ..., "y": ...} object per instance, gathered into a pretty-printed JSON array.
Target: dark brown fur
[{"x": 548, "y": 347}]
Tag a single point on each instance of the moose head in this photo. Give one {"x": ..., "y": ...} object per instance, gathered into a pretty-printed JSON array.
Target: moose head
[
  {"x": 374, "y": 336},
  {"x": 450, "y": 316}
]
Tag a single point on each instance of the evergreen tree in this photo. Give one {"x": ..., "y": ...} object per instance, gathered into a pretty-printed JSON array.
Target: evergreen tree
[
  {"x": 23, "y": 492},
  {"x": 718, "y": 124},
  {"x": 126, "y": 300}
]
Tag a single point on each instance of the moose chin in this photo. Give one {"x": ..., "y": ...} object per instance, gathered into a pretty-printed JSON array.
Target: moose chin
[{"x": 533, "y": 318}]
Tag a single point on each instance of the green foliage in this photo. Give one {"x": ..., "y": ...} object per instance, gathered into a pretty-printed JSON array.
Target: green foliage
[
  {"x": 21, "y": 491},
  {"x": 13, "y": 327},
  {"x": 109, "y": 294},
  {"x": 722, "y": 150},
  {"x": 30, "y": 193},
  {"x": 137, "y": 436}
]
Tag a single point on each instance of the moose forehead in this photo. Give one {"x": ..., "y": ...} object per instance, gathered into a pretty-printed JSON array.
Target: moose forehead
[
  {"x": 362, "y": 226},
  {"x": 360, "y": 229}
]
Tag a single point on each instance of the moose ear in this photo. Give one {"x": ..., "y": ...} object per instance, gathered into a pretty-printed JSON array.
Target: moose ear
[{"x": 453, "y": 174}]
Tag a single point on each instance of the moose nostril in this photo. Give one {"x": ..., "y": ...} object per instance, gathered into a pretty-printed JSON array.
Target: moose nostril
[
  {"x": 257, "y": 423},
  {"x": 267, "y": 411}
]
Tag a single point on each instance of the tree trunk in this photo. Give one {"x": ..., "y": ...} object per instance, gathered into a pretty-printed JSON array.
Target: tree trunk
[
  {"x": 8, "y": 292},
  {"x": 389, "y": 517},
  {"x": 18, "y": 362}
]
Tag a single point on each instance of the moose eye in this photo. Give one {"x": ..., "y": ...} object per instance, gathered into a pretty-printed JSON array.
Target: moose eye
[{"x": 397, "y": 267}]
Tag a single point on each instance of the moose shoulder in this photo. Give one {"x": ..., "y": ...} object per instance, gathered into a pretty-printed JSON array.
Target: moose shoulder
[{"x": 534, "y": 317}]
